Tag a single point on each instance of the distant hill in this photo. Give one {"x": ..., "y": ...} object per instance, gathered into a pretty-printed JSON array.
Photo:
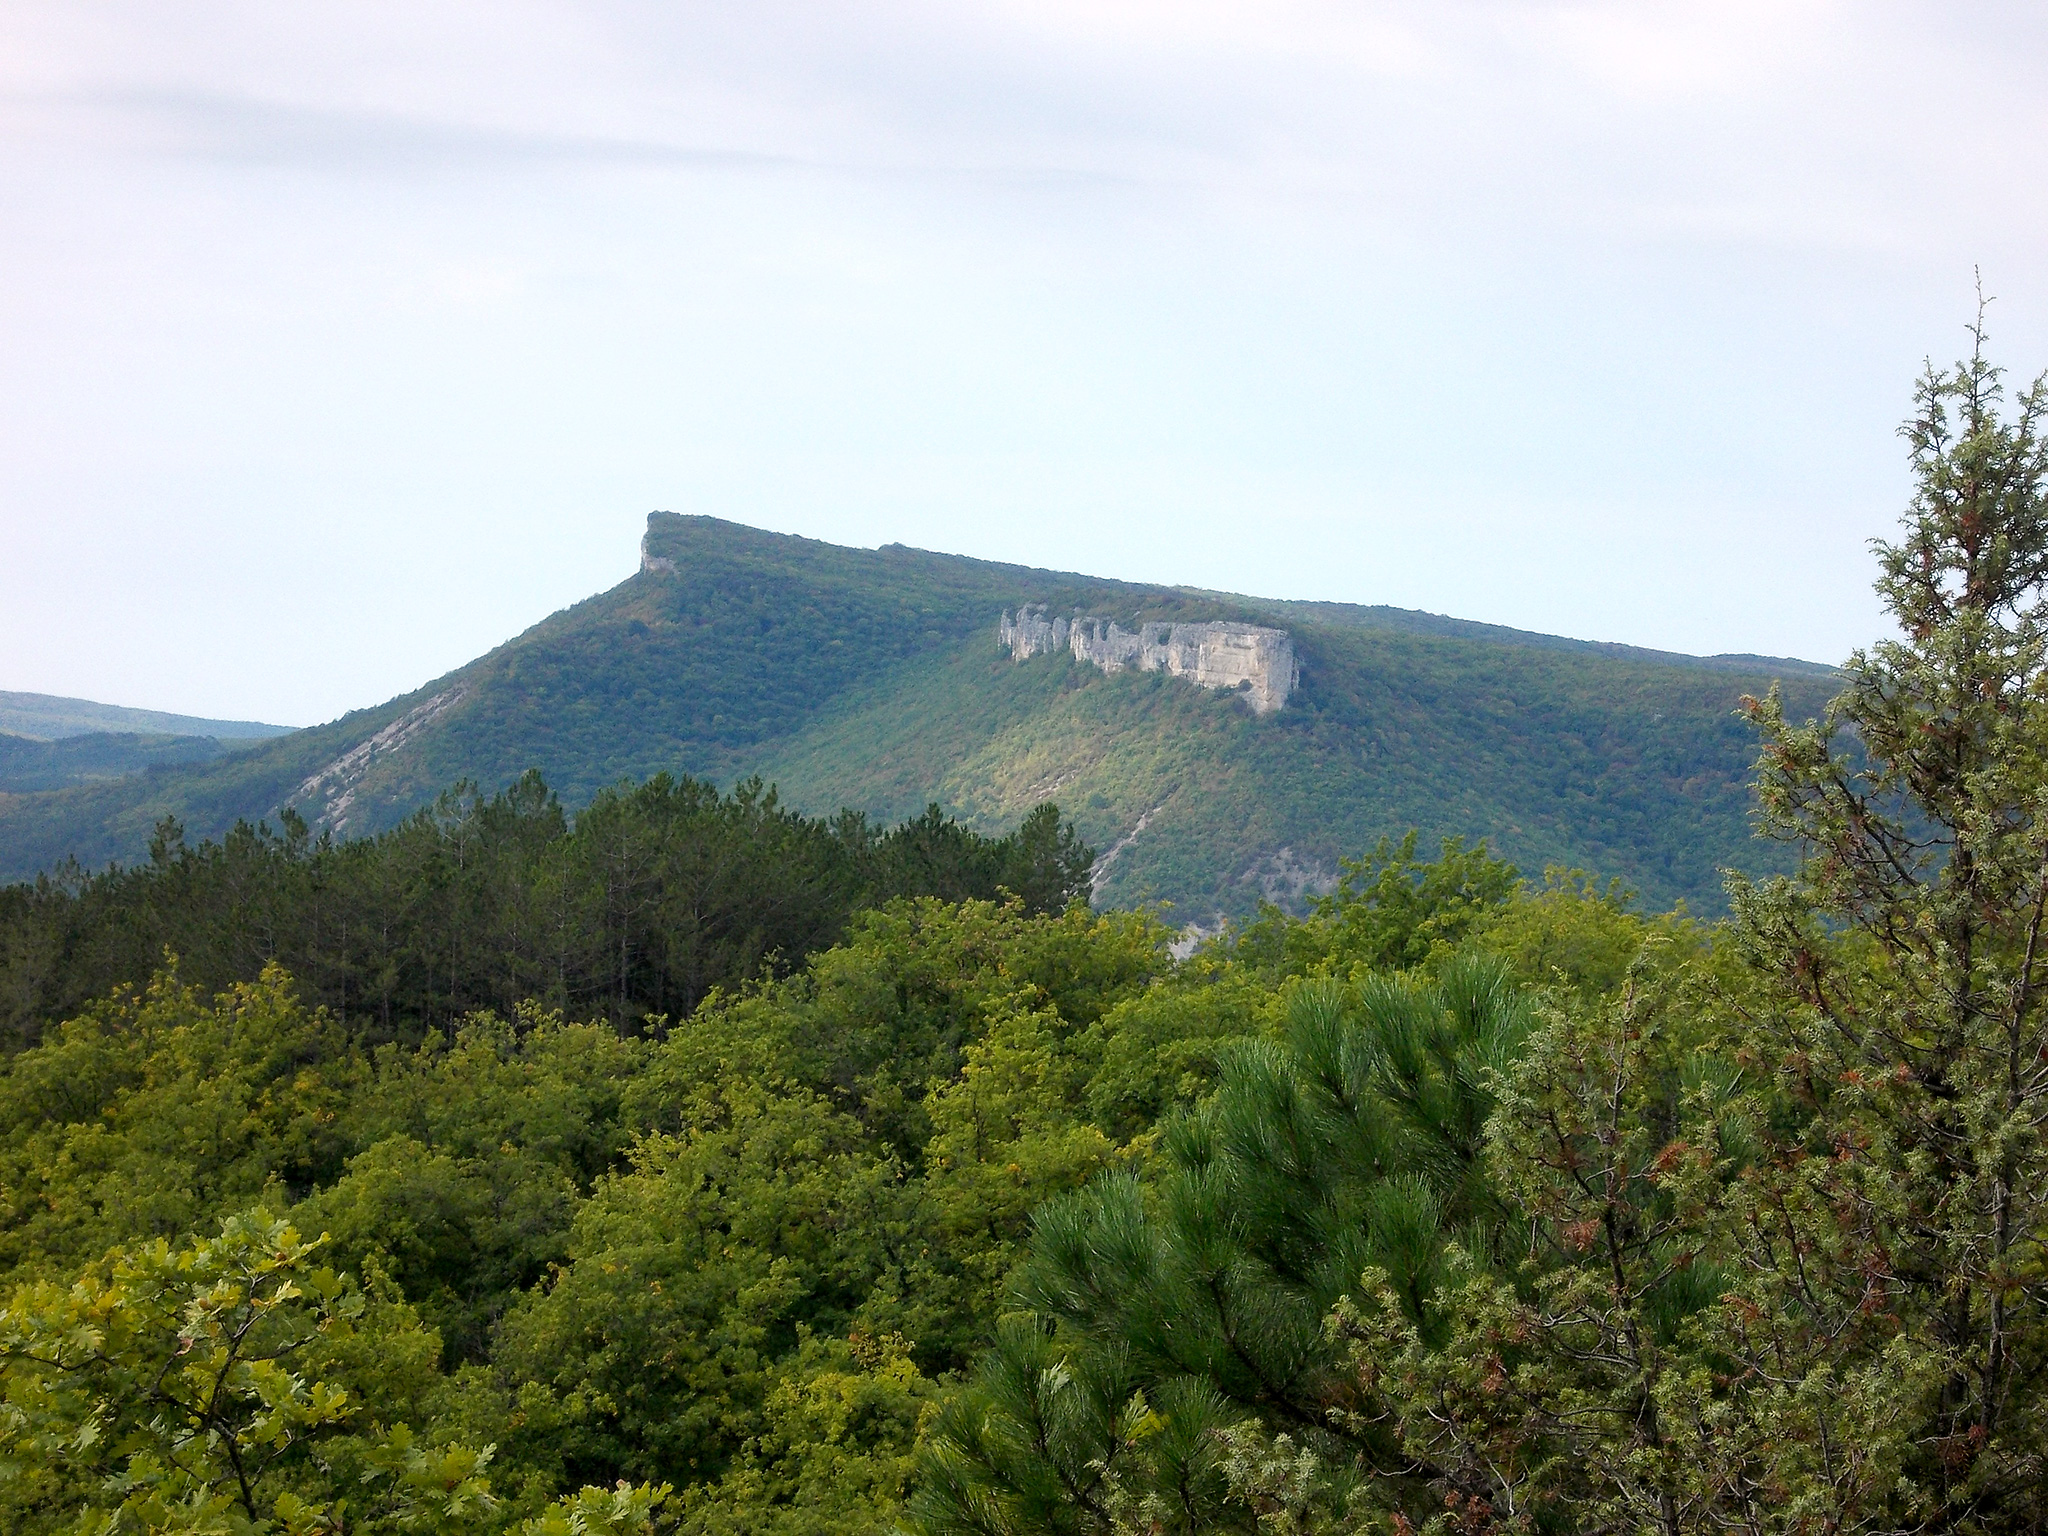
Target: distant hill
[
  {"x": 872, "y": 678},
  {"x": 45, "y": 717},
  {"x": 28, "y": 765}
]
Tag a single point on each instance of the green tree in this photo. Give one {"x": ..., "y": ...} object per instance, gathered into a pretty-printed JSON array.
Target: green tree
[
  {"x": 156, "y": 1111},
  {"x": 192, "y": 1388},
  {"x": 689, "y": 1277},
  {"x": 1391, "y": 911},
  {"x": 1158, "y": 1318},
  {"x": 655, "y": 895},
  {"x": 1906, "y": 1025},
  {"x": 232, "y": 1386}
]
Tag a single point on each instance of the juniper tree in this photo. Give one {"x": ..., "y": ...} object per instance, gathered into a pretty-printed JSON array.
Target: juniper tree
[
  {"x": 1910, "y": 962},
  {"x": 1795, "y": 1283}
]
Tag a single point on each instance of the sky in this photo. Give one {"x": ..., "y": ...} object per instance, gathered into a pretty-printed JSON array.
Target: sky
[{"x": 342, "y": 342}]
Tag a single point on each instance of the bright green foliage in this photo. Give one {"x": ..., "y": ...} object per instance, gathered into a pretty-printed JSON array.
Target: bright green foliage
[
  {"x": 233, "y": 1387},
  {"x": 689, "y": 1276},
  {"x": 1394, "y": 912},
  {"x": 853, "y": 1154},
  {"x": 469, "y": 1156},
  {"x": 1579, "y": 938},
  {"x": 192, "y": 1388},
  {"x": 627, "y": 1508},
  {"x": 741, "y": 1254},
  {"x": 1007, "y": 1132},
  {"x": 156, "y": 1111},
  {"x": 1159, "y": 1047},
  {"x": 731, "y": 1254},
  {"x": 834, "y": 1448},
  {"x": 456, "y": 1164}
]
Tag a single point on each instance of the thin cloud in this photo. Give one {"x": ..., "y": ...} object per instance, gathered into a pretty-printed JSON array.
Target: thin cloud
[{"x": 243, "y": 131}]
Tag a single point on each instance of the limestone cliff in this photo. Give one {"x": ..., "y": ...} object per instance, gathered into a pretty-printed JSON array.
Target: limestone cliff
[
  {"x": 649, "y": 560},
  {"x": 1248, "y": 658},
  {"x": 1031, "y": 633}
]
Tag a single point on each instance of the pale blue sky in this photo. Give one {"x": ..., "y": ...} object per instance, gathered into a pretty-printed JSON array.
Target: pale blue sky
[{"x": 340, "y": 342}]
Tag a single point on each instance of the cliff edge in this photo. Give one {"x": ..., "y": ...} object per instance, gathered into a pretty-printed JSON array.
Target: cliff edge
[{"x": 1245, "y": 658}]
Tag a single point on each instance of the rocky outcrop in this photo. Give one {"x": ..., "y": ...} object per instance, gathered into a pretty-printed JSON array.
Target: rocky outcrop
[
  {"x": 326, "y": 798},
  {"x": 1031, "y": 633},
  {"x": 1246, "y": 658},
  {"x": 649, "y": 560}
]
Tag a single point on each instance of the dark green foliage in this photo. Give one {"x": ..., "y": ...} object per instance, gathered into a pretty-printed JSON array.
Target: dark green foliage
[
  {"x": 1057, "y": 1442},
  {"x": 651, "y": 898}
]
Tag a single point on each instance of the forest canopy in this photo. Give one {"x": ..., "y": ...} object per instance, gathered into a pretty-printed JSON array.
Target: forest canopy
[
  {"x": 642, "y": 904},
  {"x": 694, "y": 1166}
]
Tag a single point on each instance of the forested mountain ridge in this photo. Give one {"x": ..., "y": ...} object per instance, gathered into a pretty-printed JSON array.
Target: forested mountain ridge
[{"x": 871, "y": 679}]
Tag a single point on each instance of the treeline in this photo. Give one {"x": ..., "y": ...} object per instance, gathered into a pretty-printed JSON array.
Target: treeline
[{"x": 640, "y": 905}]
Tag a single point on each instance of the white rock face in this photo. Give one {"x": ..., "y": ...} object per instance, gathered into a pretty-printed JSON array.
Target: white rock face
[
  {"x": 1249, "y": 658},
  {"x": 650, "y": 561},
  {"x": 1031, "y": 633}
]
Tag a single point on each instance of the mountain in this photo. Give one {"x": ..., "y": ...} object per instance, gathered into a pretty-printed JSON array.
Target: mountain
[
  {"x": 46, "y": 717},
  {"x": 873, "y": 679}
]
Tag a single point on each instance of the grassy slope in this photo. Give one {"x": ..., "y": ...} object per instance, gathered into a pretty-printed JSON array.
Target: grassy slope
[
  {"x": 871, "y": 677},
  {"x": 1603, "y": 762}
]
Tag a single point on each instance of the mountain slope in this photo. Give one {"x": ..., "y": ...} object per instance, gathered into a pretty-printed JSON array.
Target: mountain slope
[{"x": 871, "y": 678}]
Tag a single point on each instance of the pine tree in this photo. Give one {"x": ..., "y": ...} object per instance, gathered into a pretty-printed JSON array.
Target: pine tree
[{"x": 1158, "y": 1319}]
